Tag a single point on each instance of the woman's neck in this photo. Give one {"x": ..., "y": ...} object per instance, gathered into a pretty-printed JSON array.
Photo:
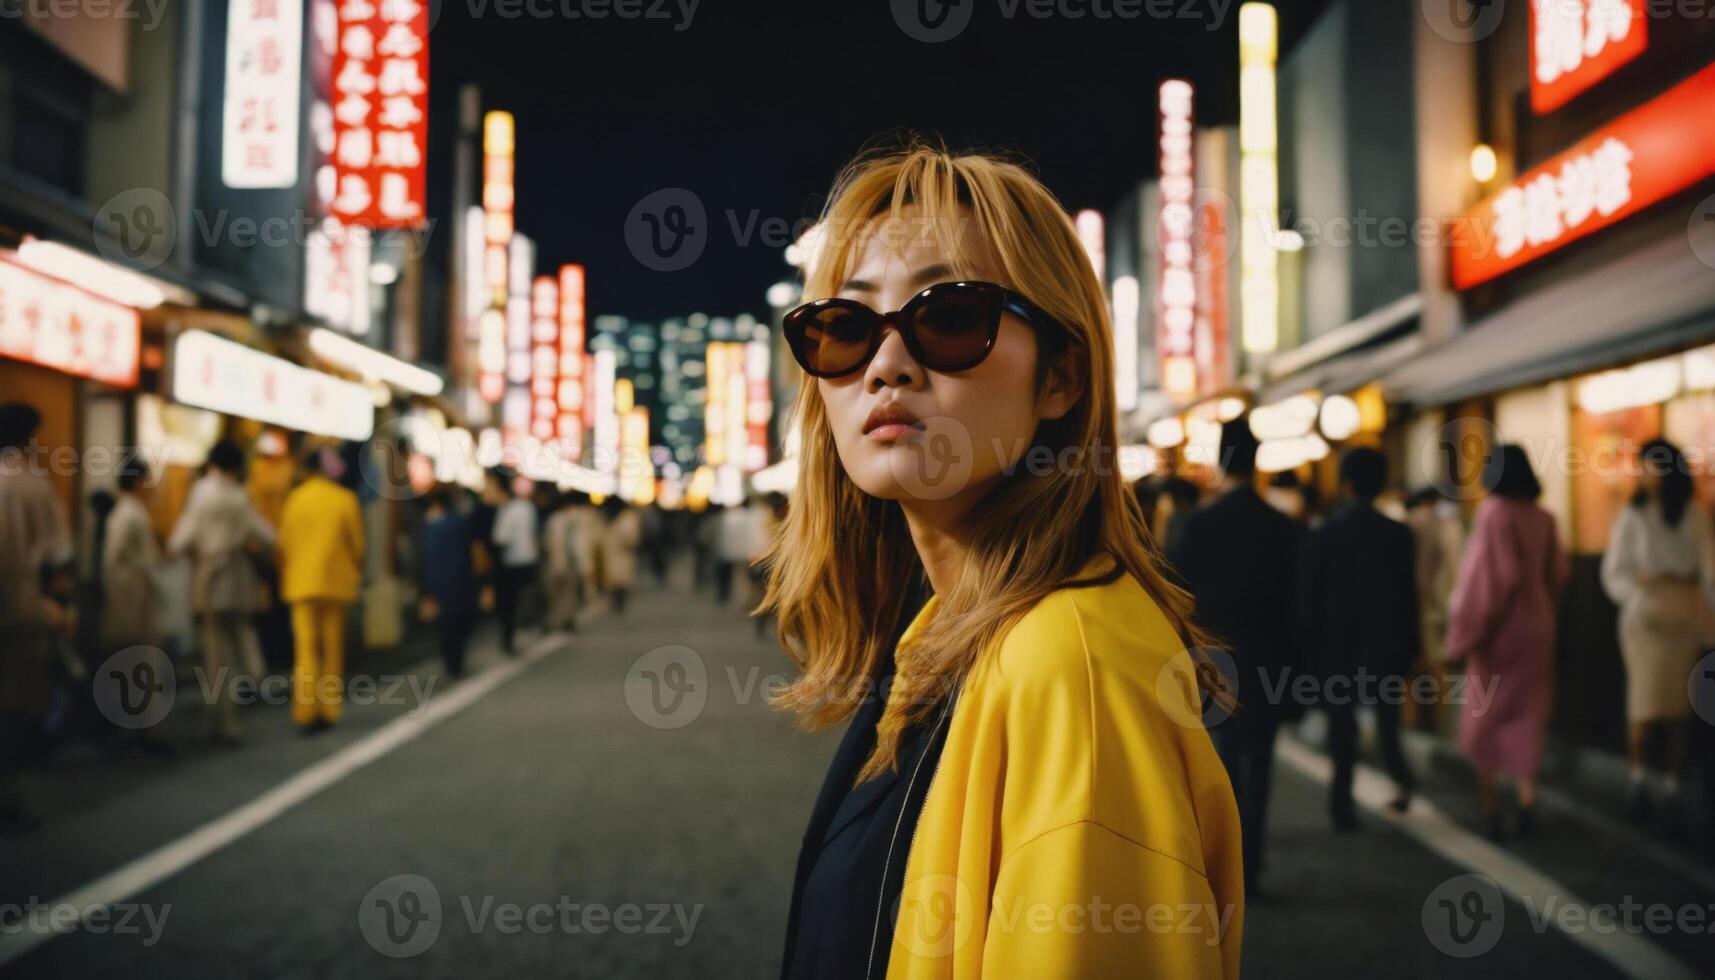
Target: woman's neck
[{"x": 942, "y": 541}]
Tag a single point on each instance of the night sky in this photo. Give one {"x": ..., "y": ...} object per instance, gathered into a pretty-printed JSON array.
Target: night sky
[{"x": 756, "y": 105}]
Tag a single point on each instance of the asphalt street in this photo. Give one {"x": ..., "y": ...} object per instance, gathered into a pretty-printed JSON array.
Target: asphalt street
[{"x": 622, "y": 802}]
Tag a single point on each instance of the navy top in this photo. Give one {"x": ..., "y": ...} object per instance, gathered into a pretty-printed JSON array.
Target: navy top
[
  {"x": 851, "y": 867},
  {"x": 447, "y": 571}
]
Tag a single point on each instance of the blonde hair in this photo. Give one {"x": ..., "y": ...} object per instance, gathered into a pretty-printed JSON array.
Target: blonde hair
[{"x": 843, "y": 563}]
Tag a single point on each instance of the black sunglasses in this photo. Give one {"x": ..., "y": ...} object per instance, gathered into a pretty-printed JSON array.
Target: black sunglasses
[{"x": 951, "y": 326}]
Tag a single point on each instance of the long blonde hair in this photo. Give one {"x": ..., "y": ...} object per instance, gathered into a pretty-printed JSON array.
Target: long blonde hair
[{"x": 843, "y": 562}]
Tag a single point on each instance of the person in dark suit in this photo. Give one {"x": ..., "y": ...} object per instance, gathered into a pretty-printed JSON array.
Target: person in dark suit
[
  {"x": 1361, "y": 603},
  {"x": 1239, "y": 558}
]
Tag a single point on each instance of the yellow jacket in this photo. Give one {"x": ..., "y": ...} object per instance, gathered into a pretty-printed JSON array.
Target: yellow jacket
[
  {"x": 1079, "y": 823},
  {"x": 321, "y": 542}
]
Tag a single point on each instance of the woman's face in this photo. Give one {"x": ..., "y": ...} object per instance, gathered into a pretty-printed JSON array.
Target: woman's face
[{"x": 971, "y": 425}]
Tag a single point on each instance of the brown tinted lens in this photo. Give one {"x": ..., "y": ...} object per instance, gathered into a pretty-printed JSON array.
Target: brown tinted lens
[
  {"x": 953, "y": 326},
  {"x": 835, "y": 338}
]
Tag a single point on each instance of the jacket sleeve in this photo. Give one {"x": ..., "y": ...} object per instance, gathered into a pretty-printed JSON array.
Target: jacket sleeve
[
  {"x": 1705, "y": 536},
  {"x": 1305, "y": 611},
  {"x": 190, "y": 519},
  {"x": 1620, "y": 564},
  {"x": 1411, "y": 622},
  {"x": 1486, "y": 578},
  {"x": 1083, "y": 901}
]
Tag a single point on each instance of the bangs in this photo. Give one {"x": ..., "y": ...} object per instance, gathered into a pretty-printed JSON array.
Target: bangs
[{"x": 920, "y": 197}]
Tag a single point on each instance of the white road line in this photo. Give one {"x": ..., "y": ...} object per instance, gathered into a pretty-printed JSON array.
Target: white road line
[
  {"x": 1633, "y": 955},
  {"x": 1676, "y": 860},
  {"x": 177, "y": 855},
  {"x": 1667, "y": 857}
]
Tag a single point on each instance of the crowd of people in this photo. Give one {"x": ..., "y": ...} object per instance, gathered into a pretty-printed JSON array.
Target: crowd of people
[
  {"x": 253, "y": 563},
  {"x": 1376, "y": 590},
  {"x": 1372, "y": 586}
]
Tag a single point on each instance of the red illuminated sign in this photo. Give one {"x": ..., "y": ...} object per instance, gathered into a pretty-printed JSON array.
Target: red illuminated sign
[
  {"x": 571, "y": 393},
  {"x": 1577, "y": 43},
  {"x": 47, "y": 322},
  {"x": 380, "y": 112},
  {"x": 1644, "y": 157}
]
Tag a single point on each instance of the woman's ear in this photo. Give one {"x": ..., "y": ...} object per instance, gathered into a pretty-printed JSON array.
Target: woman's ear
[{"x": 1063, "y": 386}]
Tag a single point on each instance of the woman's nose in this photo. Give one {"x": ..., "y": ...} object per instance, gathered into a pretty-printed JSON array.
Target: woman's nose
[{"x": 893, "y": 365}]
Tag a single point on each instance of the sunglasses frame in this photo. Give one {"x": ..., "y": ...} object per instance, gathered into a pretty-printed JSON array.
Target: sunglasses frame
[{"x": 1010, "y": 301}]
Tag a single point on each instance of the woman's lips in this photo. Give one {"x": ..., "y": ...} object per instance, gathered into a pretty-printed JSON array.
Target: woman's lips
[{"x": 890, "y": 431}]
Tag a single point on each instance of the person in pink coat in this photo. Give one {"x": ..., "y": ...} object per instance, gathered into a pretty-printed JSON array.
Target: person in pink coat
[{"x": 1502, "y": 625}]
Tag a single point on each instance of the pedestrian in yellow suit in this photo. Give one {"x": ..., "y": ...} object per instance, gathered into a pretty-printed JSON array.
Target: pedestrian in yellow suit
[{"x": 321, "y": 561}]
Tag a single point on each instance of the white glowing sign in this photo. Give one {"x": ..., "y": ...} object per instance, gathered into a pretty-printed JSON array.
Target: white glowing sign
[
  {"x": 1178, "y": 292},
  {"x": 259, "y": 134},
  {"x": 44, "y": 321},
  {"x": 1092, "y": 233},
  {"x": 336, "y": 276},
  {"x": 222, "y": 376},
  {"x": 1259, "y": 177}
]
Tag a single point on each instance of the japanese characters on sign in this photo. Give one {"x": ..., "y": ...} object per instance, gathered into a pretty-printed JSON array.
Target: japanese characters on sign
[
  {"x": 1177, "y": 308},
  {"x": 259, "y": 138},
  {"x": 336, "y": 276},
  {"x": 1577, "y": 43},
  {"x": 223, "y": 376},
  {"x": 48, "y": 322},
  {"x": 572, "y": 355},
  {"x": 380, "y": 111},
  {"x": 544, "y": 356},
  {"x": 1643, "y": 157}
]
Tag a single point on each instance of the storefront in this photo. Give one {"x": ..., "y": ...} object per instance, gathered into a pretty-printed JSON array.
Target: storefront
[
  {"x": 72, "y": 353},
  {"x": 1587, "y": 287}
]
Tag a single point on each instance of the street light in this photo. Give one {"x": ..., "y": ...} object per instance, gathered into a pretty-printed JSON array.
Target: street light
[{"x": 1484, "y": 164}]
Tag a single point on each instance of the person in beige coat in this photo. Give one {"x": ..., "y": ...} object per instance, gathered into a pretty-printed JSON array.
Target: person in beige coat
[
  {"x": 619, "y": 543},
  {"x": 224, "y": 534},
  {"x": 1660, "y": 570},
  {"x": 33, "y": 534},
  {"x": 560, "y": 573},
  {"x": 130, "y": 599}
]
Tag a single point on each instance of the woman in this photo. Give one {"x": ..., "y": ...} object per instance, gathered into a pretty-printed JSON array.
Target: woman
[
  {"x": 131, "y": 602},
  {"x": 224, "y": 534},
  {"x": 321, "y": 568},
  {"x": 1660, "y": 569},
  {"x": 969, "y": 794},
  {"x": 619, "y": 540},
  {"x": 1501, "y": 622},
  {"x": 560, "y": 564}
]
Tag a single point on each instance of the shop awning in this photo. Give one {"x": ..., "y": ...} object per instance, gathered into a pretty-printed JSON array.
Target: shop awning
[
  {"x": 1656, "y": 298},
  {"x": 1348, "y": 358}
]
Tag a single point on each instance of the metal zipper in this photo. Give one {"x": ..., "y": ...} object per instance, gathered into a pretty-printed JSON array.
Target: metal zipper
[{"x": 881, "y": 900}]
